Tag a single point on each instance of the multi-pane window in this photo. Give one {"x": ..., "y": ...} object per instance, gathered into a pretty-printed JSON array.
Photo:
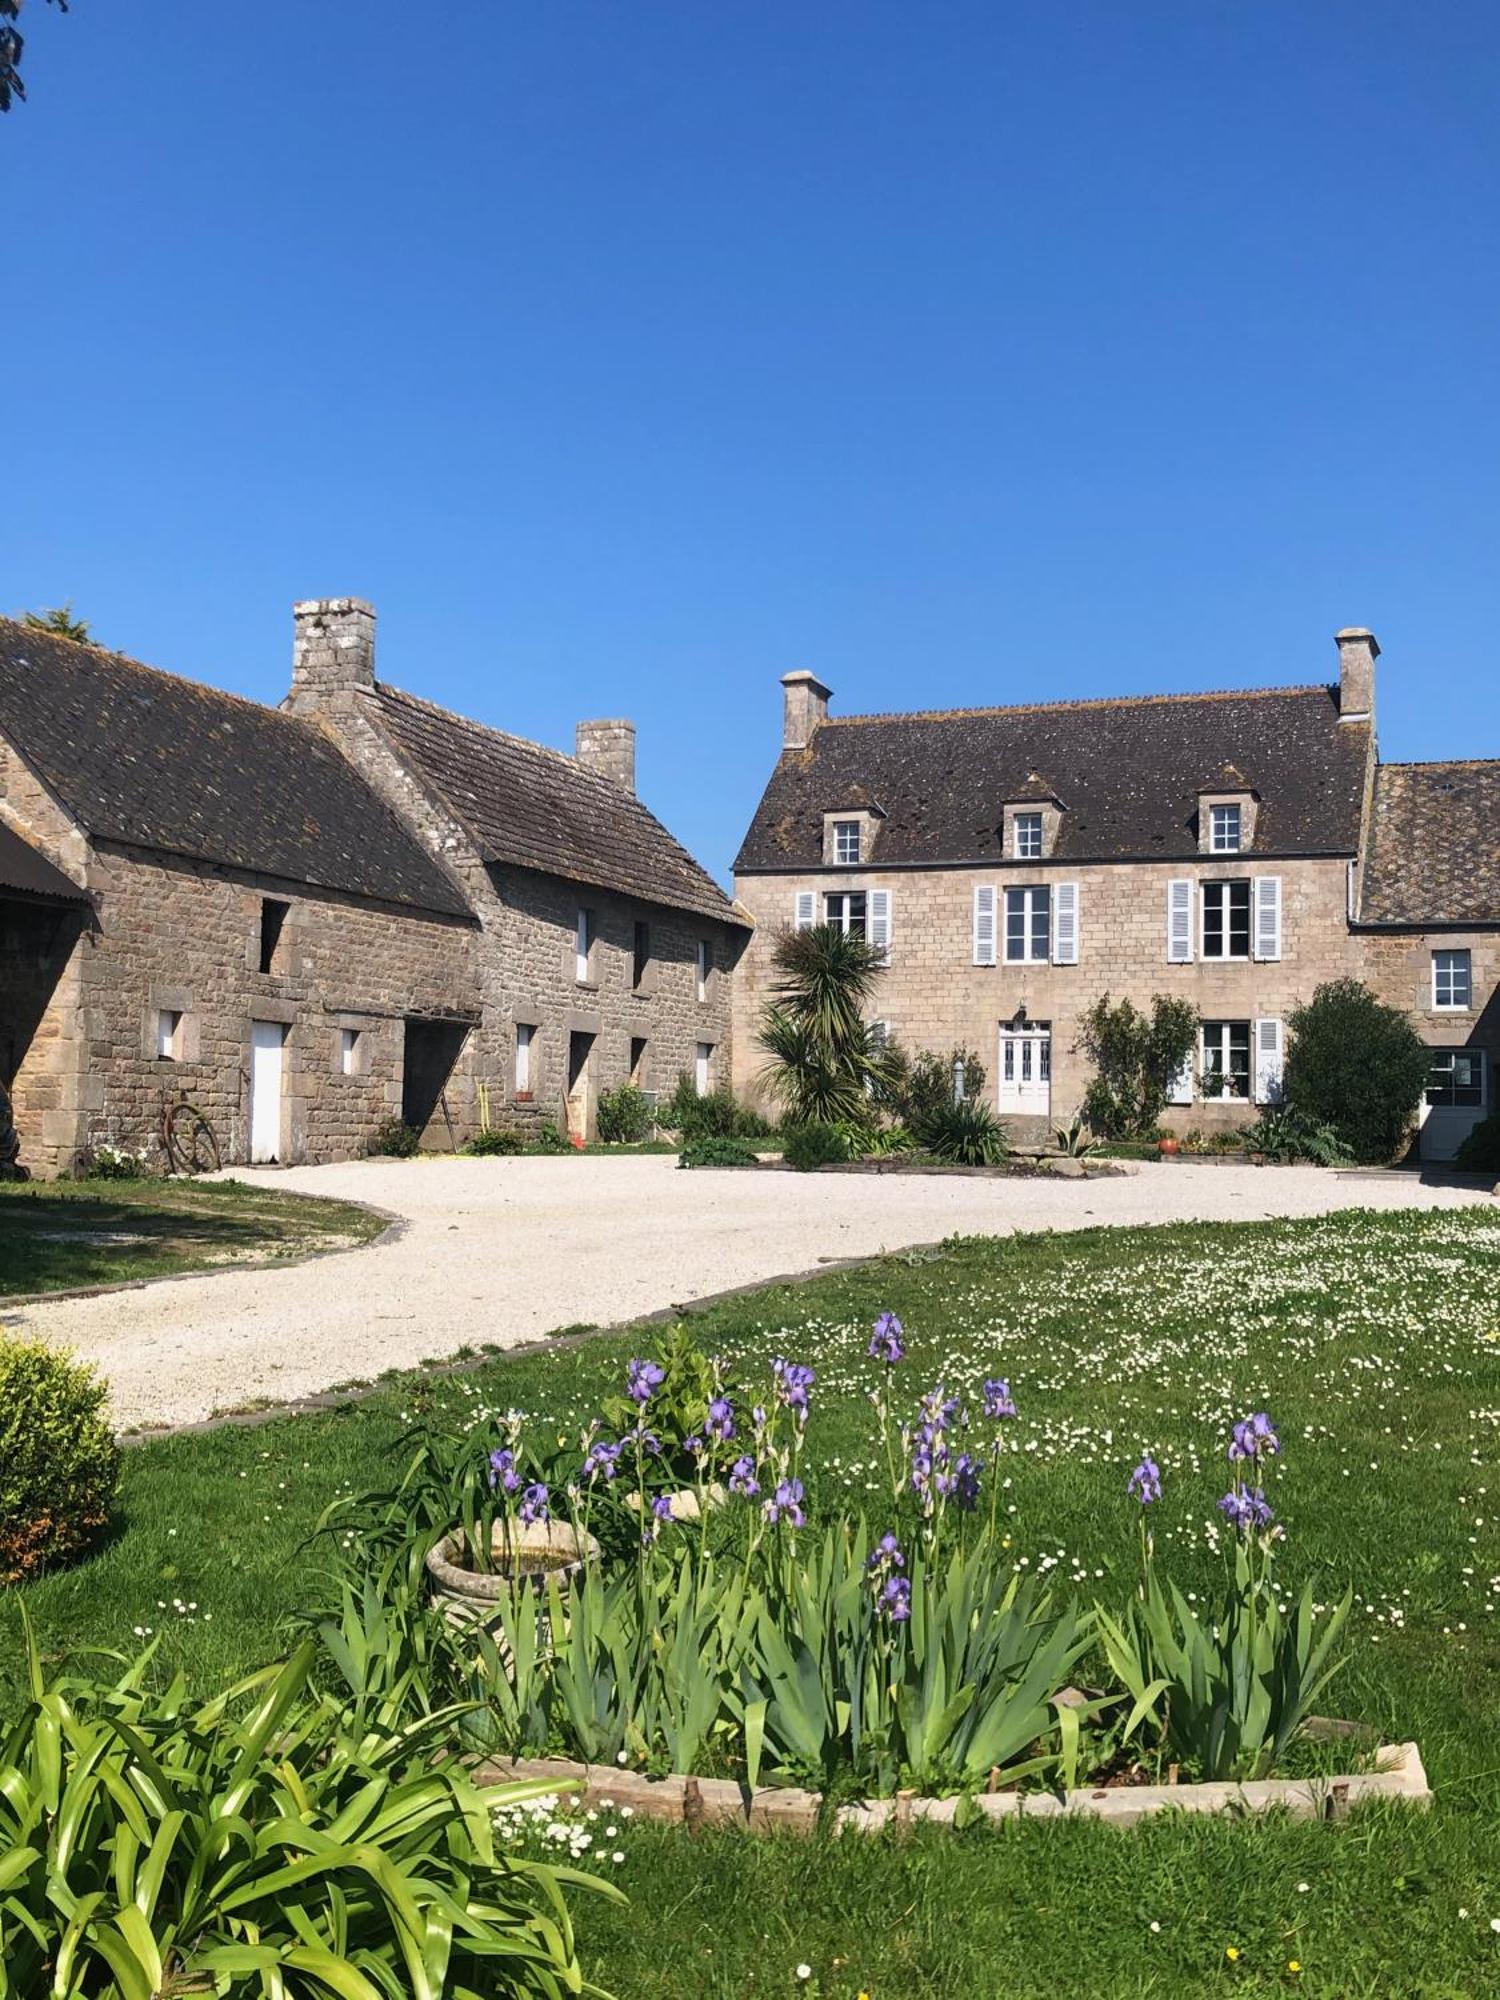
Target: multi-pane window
[
  {"x": 846, "y": 908},
  {"x": 846, "y": 833},
  {"x": 1226, "y": 1059},
  {"x": 1028, "y": 926},
  {"x": 1026, "y": 836},
  {"x": 1224, "y": 829},
  {"x": 1226, "y": 920},
  {"x": 1456, "y": 1077},
  {"x": 1452, "y": 980},
  {"x": 524, "y": 1035}
]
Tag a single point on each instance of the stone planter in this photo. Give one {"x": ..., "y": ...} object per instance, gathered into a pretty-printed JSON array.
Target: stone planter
[{"x": 530, "y": 1554}]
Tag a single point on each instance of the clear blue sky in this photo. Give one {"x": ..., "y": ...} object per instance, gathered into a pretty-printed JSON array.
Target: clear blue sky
[{"x": 628, "y": 353}]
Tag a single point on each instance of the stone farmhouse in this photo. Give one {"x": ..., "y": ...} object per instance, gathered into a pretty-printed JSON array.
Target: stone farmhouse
[
  {"x": 304, "y": 922},
  {"x": 1234, "y": 849}
]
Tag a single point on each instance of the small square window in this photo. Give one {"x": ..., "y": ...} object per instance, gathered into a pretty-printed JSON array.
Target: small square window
[
  {"x": 349, "y": 1052},
  {"x": 169, "y": 1034},
  {"x": 846, "y": 842},
  {"x": 1224, "y": 829},
  {"x": 1452, "y": 981},
  {"x": 1026, "y": 836}
]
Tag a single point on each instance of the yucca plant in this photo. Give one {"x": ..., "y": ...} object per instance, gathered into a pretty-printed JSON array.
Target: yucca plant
[
  {"x": 825, "y": 1062},
  {"x": 153, "y": 1846}
]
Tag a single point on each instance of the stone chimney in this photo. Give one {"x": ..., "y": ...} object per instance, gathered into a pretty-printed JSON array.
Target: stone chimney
[
  {"x": 805, "y": 705},
  {"x": 333, "y": 650},
  {"x": 1358, "y": 652},
  {"x": 609, "y": 749}
]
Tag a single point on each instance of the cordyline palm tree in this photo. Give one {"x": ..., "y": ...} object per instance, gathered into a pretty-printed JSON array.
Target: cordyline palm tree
[{"x": 824, "y": 1060}]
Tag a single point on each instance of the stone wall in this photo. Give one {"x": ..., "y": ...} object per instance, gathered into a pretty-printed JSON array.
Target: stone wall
[
  {"x": 934, "y": 996},
  {"x": 526, "y": 963}
]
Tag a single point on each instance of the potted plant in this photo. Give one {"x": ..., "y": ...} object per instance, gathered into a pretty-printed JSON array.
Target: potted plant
[{"x": 1168, "y": 1146}]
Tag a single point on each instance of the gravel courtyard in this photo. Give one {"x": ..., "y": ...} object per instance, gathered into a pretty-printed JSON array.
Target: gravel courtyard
[{"x": 506, "y": 1250}]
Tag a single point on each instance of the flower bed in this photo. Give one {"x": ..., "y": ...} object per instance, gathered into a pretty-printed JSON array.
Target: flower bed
[{"x": 868, "y": 1661}]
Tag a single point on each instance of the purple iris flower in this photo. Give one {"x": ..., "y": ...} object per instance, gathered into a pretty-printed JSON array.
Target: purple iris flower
[
  {"x": 1254, "y": 1439},
  {"x": 793, "y": 1380},
  {"x": 661, "y": 1506},
  {"x": 742, "y": 1479},
  {"x": 503, "y": 1471},
  {"x": 885, "y": 1341},
  {"x": 1247, "y": 1509},
  {"x": 888, "y": 1552},
  {"x": 693, "y": 1446},
  {"x": 965, "y": 1483},
  {"x": 895, "y": 1599},
  {"x": 602, "y": 1460},
  {"x": 998, "y": 1401},
  {"x": 721, "y": 1419},
  {"x": 534, "y": 1503},
  {"x": 787, "y": 1500},
  {"x": 643, "y": 1379},
  {"x": 1145, "y": 1481}
]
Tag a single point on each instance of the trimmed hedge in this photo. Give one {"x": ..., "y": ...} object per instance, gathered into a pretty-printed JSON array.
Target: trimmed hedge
[{"x": 59, "y": 1463}]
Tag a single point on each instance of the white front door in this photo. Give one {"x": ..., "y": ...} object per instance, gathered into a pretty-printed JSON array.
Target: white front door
[
  {"x": 267, "y": 1046},
  {"x": 1455, "y": 1101},
  {"x": 1025, "y": 1082}
]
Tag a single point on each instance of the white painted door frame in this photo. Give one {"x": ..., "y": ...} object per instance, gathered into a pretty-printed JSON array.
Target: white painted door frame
[
  {"x": 1023, "y": 1079},
  {"x": 267, "y": 1088}
]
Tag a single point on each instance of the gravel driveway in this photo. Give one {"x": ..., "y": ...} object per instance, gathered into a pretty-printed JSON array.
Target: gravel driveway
[{"x": 505, "y": 1250}]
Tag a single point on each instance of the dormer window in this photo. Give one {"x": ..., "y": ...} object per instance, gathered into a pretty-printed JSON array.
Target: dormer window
[
  {"x": 1026, "y": 836},
  {"x": 847, "y": 842},
  {"x": 1225, "y": 829}
]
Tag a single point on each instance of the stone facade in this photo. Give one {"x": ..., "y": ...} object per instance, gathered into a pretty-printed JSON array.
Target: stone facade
[
  {"x": 586, "y": 1035},
  {"x": 875, "y": 772}
]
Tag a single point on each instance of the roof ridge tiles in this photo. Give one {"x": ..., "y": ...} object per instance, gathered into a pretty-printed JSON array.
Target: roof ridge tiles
[{"x": 1067, "y": 707}]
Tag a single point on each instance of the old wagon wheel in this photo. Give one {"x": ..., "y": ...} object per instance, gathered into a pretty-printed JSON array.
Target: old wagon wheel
[{"x": 189, "y": 1141}]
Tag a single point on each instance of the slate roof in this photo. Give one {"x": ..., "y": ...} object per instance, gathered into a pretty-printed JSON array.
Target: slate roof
[
  {"x": 526, "y": 806},
  {"x": 1127, "y": 771},
  {"x": 144, "y": 757},
  {"x": 26, "y": 872},
  {"x": 1434, "y": 845}
]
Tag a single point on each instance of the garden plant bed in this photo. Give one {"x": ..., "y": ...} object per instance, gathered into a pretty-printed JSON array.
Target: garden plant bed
[
  {"x": 1396, "y": 1773},
  {"x": 1020, "y": 1166}
]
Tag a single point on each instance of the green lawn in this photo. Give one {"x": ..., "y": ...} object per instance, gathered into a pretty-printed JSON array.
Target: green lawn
[
  {"x": 1375, "y": 1343},
  {"x": 57, "y": 1235}
]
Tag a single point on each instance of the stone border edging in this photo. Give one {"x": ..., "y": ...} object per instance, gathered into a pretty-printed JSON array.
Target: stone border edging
[{"x": 720, "y": 1802}]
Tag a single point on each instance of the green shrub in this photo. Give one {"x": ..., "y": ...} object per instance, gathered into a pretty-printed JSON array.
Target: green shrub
[
  {"x": 916, "y": 1087},
  {"x": 1137, "y": 1057},
  {"x": 889, "y": 1140},
  {"x": 549, "y": 1140},
  {"x": 395, "y": 1139},
  {"x": 1284, "y": 1133},
  {"x": 1480, "y": 1152},
  {"x": 718, "y": 1114},
  {"x": 967, "y": 1134},
  {"x": 252, "y": 1844},
  {"x": 815, "y": 1144},
  {"x": 1357, "y": 1065},
  {"x": 59, "y": 1463},
  {"x": 624, "y": 1116},
  {"x": 714, "y": 1151},
  {"x": 494, "y": 1139}
]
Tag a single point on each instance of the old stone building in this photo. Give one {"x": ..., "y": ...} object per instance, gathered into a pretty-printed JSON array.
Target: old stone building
[
  {"x": 279, "y": 918},
  {"x": 1233, "y": 849}
]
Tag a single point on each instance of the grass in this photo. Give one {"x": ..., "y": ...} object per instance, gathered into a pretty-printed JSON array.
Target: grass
[
  {"x": 1373, "y": 1340},
  {"x": 58, "y": 1235}
]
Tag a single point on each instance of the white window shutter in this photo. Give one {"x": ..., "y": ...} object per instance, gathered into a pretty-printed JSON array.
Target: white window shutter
[
  {"x": 880, "y": 923},
  {"x": 1266, "y": 896},
  {"x": 804, "y": 910},
  {"x": 1180, "y": 1090},
  {"x": 1065, "y": 898},
  {"x": 1180, "y": 922},
  {"x": 1268, "y": 1041},
  {"x": 984, "y": 924}
]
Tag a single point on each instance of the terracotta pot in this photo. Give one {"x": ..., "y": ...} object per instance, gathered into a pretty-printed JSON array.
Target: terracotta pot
[
  {"x": 532, "y": 1553},
  {"x": 1168, "y": 1148}
]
